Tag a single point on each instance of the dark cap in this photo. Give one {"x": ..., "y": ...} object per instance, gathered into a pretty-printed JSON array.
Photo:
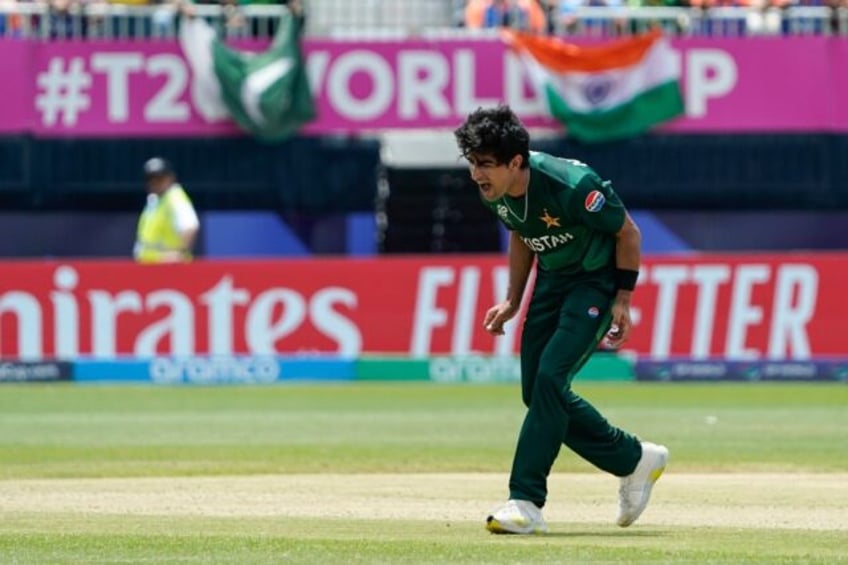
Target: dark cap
[{"x": 157, "y": 166}]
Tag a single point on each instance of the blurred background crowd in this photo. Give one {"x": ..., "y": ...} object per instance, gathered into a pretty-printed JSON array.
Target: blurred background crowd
[
  {"x": 556, "y": 16},
  {"x": 255, "y": 18}
]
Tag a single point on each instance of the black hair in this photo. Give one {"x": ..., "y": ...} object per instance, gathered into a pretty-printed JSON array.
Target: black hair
[{"x": 494, "y": 131}]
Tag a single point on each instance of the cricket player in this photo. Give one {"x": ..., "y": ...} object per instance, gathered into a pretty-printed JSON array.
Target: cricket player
[{"x": 587, "y": 250}]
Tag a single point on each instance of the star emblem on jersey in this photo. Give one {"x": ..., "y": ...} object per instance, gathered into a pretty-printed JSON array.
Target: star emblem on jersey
[
  {"x": 550, "y": 221},
  {"x": 594, "y": 201}
]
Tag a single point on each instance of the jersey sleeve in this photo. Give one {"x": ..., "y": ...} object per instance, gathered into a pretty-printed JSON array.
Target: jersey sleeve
[{"x": 597, "y": 205}]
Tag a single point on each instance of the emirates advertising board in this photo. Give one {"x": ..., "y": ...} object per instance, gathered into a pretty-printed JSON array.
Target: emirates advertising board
[{"x": 787, "y": 307}]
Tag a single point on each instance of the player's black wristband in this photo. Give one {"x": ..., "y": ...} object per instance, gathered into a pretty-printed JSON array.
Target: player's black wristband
[{"x": 625, "y": 279}]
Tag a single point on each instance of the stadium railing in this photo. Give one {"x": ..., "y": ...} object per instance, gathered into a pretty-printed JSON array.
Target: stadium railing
[{"x": 392, "y": 20}]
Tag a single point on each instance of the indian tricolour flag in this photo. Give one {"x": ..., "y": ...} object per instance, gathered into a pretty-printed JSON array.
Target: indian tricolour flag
[{"x": 603, "y": 92}]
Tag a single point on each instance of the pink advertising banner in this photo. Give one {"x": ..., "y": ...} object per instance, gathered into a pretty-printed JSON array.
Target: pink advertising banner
[
  {"x": 107, "y": 89},
  {"x": 16, "y": 109},
  {"x": 837, "y": 51}
]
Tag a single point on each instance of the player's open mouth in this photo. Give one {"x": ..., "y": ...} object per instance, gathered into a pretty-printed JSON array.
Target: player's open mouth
[{"x": 485, "y": 187}]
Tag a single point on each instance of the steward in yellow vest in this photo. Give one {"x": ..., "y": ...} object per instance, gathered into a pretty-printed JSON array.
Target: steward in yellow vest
[{"x": 168, "y": 225}]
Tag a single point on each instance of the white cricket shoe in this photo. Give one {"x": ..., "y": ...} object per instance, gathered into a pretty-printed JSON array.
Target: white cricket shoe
[
  {"x": 517, "y": 517},
  {"x": 635, "y": 489}
]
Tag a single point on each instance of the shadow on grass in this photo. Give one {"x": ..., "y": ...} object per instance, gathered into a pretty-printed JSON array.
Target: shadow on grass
[{"x": 617, "y": 534}]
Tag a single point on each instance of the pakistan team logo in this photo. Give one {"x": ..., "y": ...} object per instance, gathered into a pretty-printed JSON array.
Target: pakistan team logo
[
  {"x": 503, "y": 212},
  {"x": 549, "y": 220}
]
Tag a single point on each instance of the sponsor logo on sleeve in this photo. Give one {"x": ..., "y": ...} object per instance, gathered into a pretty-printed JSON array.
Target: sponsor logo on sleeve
[{"x": 595, "y": 201}]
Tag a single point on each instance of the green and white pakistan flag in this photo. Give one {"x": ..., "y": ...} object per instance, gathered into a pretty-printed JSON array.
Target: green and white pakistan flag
[{"x": 266, "y": 94}]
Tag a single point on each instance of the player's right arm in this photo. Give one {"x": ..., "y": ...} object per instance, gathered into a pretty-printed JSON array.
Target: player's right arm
[{"x": 520, "y": 263}]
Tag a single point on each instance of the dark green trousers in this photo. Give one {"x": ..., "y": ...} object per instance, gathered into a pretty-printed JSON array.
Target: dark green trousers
[{"x": 566, "y": 320}]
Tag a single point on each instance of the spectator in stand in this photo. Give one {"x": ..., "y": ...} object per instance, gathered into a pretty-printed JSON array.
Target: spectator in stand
[
  {"x": 526, "y": 15},
  {"x": 458, "y": 11},
  {"x": 164, "y": 17},
  {"x": 296, "y": 7},
  {"x": 614, "y": 24},
  {"x": 678, "y": 23},
  {"x": 64, "y": 20},
  {"x": 710, "y": 24},
  {"x": 550, "y": 8},
  {"x": 654, "y": 3},
  {"x": 765, "y": 16},
  {"x": 838, "y": 17},
  {"x": 97, "y": 15},
  {"x": 705, "y": 4},
  {"x": 567, "y": 18},
  {"x": 11, "y": 24},
  {"x": 129, "y": 2},
  {"x": 267, "y": 26},
  {"x": 235, "y": 22}
]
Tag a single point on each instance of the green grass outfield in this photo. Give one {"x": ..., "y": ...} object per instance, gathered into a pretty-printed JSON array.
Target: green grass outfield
[{"x": 404, "y": 473}]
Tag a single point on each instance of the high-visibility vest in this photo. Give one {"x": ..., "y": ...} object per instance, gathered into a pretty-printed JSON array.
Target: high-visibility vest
[{"x": 156, "y": 234}]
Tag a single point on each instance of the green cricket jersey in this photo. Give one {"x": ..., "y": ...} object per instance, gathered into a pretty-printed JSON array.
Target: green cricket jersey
[{"x": 568, "y": 216}]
